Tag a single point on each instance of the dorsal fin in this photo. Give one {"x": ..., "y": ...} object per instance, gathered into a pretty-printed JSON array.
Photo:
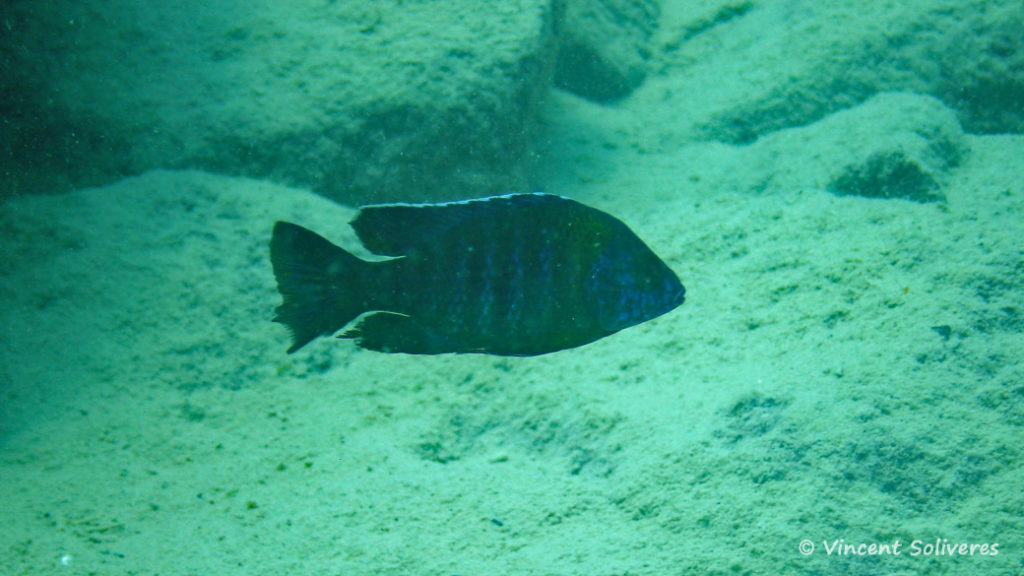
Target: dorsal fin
[{"x": 394, "y": 229}]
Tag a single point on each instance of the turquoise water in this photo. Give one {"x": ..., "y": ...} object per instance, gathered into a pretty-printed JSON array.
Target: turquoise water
[{"x": 838, "y": 188}]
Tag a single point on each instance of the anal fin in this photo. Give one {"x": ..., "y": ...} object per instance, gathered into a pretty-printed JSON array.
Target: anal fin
[{"x": 390, "y": 332}]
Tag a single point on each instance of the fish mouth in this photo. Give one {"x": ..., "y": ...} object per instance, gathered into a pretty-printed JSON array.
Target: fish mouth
[{"x": 679, "y": 296}]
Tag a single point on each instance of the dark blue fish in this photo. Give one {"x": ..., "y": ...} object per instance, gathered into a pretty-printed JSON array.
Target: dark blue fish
[{"x": 515, "y": 275}]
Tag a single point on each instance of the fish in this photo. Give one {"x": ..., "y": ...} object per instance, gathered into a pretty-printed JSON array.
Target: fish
[{"x": 514, "y": 275}]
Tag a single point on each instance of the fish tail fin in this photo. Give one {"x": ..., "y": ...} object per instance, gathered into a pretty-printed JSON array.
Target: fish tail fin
[{"x": 321, "y": 283}]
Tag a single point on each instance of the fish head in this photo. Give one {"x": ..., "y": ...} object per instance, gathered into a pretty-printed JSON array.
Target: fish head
[{"x": 630, "y": 284}]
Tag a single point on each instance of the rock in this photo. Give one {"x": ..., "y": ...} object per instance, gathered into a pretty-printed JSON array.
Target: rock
[
  {"x": 362, "y": 102},
  {"x": 604, "y": 47},
  {"x": 982, "y": 68},
  {"x": 895, "y": 145},
  {"x": 736, "y": 71},
  {"x": 359, "y": 101}
]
